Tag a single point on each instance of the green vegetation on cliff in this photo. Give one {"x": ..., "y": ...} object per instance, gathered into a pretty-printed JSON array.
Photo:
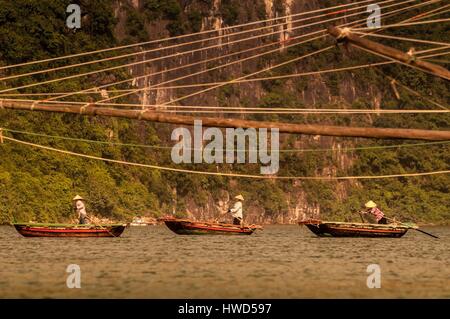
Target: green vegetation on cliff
[{"x": 38, "y": 185}]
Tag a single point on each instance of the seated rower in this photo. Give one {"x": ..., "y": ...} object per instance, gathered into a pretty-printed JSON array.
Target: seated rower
[
  {"x": 373, "y": 210},
  {"x": 236, "y": 211},
  {"x": 80, "y": 208}
]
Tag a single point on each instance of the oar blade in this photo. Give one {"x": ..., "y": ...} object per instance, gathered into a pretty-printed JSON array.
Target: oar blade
[{"x": 422, "y": 231}]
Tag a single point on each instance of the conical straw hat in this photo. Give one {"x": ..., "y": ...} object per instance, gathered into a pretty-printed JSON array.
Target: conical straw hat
[{"x": 370, "y": 204}]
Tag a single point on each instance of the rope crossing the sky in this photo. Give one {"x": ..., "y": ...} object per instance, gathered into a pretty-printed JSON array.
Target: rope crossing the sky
[
  {"x": 322, "y": 31},
  {"x": 174, "y": 55},
  {"x": 219, "y": 30},
  {"x": 250, "y": 176},
  {"x": 271, "y": 67},
  {"x": 201, "y": 41},
  {"x": 146, "y": 61}
]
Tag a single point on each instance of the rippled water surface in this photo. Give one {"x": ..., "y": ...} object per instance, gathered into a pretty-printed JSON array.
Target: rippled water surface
[{"x": 279, "y": 262}]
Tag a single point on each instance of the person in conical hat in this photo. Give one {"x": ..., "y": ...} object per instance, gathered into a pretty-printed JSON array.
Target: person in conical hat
[
  {"x": 78, "y": 197},
  {"x": 370, "y": 204},
  {"x": 373, "y": 210},
  {"x": 237, "y": 210},
  {"x": 80, "y": 209}
]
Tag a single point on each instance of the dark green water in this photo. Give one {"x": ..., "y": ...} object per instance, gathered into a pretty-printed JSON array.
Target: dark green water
[{"x": 279, "y": 262}]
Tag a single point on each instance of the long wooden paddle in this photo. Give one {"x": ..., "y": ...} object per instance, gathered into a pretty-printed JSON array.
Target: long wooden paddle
[
  {"x": 241, "y": 226},
  {"x": 101, "y": 227},
  {"x": 422, "y": 231},
  {"x": 362, "y": 218},
  {"x": 419, "y": 230}
]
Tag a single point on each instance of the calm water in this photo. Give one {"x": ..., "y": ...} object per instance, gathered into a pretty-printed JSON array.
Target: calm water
[{"x": 279, "y": 262}]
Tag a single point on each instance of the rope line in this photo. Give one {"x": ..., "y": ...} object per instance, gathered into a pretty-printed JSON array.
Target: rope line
[
  {"x": 229, "y": 108},
  {"x": 277, "y": 77},
  {"x": 412, "y": 91},
  {"x": 201, "y": 41},
  {"x": 155, "y": 88},
  {"x": 388, "y": 26},
  {"x": 254, "y": 73},
  {"x": 431, "y": 13},
  {"x": 210, "y": 83},
  {"x": 272, "y": 177},
  {"x": 240, "y": 109},
  {"x": 439, "y": 60},
  {"x": 403, "y": 38},
  {"x": 208, "y": 70},
  {"x": 432, "y": 1},
  {"x": 224, "y": 65},
  {"x": 188, "y": 65},
  {"x": 251, "y": 57},
  {"x": 184, "y": 35},
  {"x": 168, "y": 56},
  {"x": 212, "y": 59}
]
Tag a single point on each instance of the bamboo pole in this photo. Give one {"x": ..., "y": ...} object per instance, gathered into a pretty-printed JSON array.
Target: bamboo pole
[
  {"x": 307, "y": 129},
  {"x": 397, "y": 55}
]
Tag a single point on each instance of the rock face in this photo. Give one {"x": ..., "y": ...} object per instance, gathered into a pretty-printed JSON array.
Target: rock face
[{"x": 311, "y": 91}]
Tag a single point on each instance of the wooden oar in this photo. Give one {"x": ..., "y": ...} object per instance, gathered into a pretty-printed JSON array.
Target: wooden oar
[
  {"x": 419, "y": 230},
  {"x": 241, "y": 226},
  {"x": 95, "y": 224},
  {"x": 362, "y": 219},
  {"x": 422, "y": 231}
]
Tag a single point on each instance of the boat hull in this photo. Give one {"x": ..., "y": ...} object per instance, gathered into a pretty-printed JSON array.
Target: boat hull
[
  {"x": 60, "y": 230},
  {"x": 187, "y": 227},
  {"x": 339, "y": 229}
]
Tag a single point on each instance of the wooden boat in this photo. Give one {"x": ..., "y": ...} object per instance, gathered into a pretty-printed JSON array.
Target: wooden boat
[
  {"x": 189, "y": 227},
  {"x": 342, "y": 229},
  {"x": 69, "y": 230}
]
